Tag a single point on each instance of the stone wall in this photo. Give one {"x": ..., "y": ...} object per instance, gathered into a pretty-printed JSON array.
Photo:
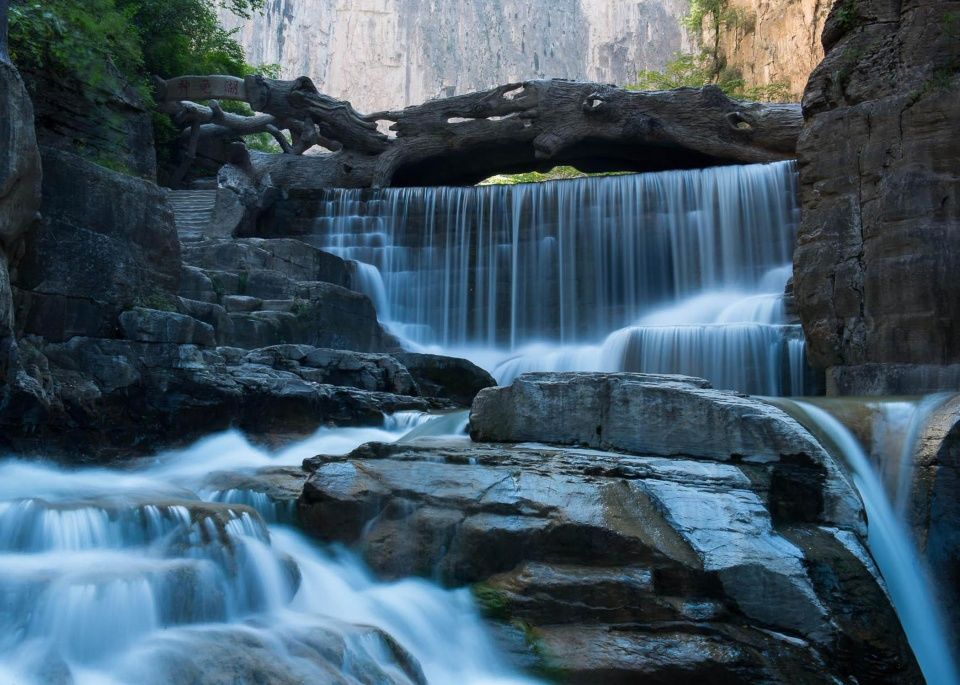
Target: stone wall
[
  {"x": 879, "y": 247},
  {"x": 386, "y": 54}
]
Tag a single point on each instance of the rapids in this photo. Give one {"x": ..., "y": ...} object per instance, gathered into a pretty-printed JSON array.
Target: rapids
[{"x": 150, "y": 575}]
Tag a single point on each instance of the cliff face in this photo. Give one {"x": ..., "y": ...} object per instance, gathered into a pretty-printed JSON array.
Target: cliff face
[
  {"x": 775, "y": 41},
  {"x": 386, "y": 54},
  {"x": 879, "y": 247}
]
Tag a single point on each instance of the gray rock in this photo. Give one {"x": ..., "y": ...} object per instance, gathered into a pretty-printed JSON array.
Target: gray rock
[
  {"x": 881, "y": 200},
  {"x": 665, "y": 415},
  {"x": 92, "y": 259},
  {"x": 152, "y": 325},
  {"x": 455, "y": 379},
  {"x": 20, "y": 172},
  {"x": 676, "y": 555},
  {"x": 96, "y": 399},
  {"x": 296, "y": 260}
]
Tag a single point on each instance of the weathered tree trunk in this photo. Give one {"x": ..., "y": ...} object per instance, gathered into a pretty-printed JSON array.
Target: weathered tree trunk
[{"x": 534, "y": 125}]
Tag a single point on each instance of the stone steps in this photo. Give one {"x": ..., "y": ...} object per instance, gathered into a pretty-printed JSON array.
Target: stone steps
[{"x": 193, "y": 211}]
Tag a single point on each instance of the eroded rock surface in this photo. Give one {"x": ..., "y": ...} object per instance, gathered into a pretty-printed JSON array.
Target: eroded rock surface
[
  {"x": 878, "y": 246},
  {"x": 717, "y": 559},
  {"x": 97, "y": 398}
]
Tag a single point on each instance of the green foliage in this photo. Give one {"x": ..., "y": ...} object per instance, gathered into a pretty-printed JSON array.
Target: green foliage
[
  {"x": 110, "y": 43},
  {"x": 557, "y": 173},
  {"x": 67, "y": 37},
  {"x": 704, "y": 9},
  {"x": 846, "y": 15},
  {"x": 697, "y": 70}
]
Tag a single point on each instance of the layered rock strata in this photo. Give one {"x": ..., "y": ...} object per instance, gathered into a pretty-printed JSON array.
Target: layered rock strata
[
  {"x": 678, "y": 532},
  {"x": 878, "y": 246}
]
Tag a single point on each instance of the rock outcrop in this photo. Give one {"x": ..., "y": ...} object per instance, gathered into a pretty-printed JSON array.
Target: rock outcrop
[
  {"x": 107, "y": 243},
  {"x": 387, "y": 54},
  {"x": 878, "y": 246},
  {"x": 661, "y": 541},
  {"x": 20, "y": 178}
]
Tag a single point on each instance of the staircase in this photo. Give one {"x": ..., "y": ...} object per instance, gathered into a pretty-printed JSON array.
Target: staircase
[{"x": 193, "y": 210}]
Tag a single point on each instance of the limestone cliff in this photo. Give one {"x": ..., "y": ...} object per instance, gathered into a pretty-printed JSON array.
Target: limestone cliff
[
  {"x": 879, "y": 247},
  {"x": 775, "y": 41},
  {"x": 386, "y": 54}
]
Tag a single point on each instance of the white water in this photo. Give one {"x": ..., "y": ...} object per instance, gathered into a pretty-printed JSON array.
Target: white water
[
  {"x": 890, "y": 544},
  {"x": 680, "y": 271},
  {"x": 118, "y": 577}
]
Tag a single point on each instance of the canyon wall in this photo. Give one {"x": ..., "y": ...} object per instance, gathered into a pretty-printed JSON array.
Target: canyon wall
[
  {"x": 775, "y": 41},
  {"x": 879, "y": 247},
  {"x": 387, "y": 54}
]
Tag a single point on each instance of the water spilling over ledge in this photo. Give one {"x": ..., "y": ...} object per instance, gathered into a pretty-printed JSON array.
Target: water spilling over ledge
[{"x": 679, "y": 271}]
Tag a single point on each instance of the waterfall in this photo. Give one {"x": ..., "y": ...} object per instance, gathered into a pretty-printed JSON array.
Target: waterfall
[
  {"x": 680, "y": 271},
  {"x": 153, "y": 575},
  {"x": 908, "y": 580}
]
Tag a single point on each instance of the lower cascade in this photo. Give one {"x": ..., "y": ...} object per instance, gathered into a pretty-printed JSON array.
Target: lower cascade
[
  {"x": 881, "y": 460},
  {"x": 673, "y": 272},
  {"x": 160, "y": 574}
]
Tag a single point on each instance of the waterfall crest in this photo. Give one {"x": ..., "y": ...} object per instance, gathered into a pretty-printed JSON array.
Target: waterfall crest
[{"x": 680, "y": 271}]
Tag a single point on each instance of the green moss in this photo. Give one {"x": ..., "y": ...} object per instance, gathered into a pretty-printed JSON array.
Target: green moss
[
  {"x": 494, "y": 604},
  {"x": 155, "y": 300},
  {"x": 243, "y": 281},
  {"x": 300, "y": 307},
  {"x": 546, "y": 667}
]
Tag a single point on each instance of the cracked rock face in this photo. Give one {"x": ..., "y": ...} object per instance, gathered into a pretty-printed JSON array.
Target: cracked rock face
[
  {"x": 878, "y": 249},
  {"x": 627, "y": 562}
]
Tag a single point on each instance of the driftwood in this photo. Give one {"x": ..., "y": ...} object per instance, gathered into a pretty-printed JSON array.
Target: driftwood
[{"x": 534, "y": 125}]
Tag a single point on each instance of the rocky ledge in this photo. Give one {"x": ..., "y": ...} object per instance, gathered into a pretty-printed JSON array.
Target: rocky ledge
[
  {"x": 98, "y": 398},
  {"x": 678, "y": 532}
]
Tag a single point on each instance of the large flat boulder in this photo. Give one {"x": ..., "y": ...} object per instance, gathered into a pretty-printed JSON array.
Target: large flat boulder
[
  {"x": 667, "y": 416},
  {"x": 620, "y": 567}
]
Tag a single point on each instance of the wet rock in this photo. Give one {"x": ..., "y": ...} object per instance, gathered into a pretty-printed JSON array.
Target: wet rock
[
  {"x": 637, "y": 545},
  {"x": 326, "y": 653},
  {"x": 665, "y": 415},
  {"x": 97, "y": 399},
  {"x": 449, "y": 377},
  {"x": 629, "y": 565}
]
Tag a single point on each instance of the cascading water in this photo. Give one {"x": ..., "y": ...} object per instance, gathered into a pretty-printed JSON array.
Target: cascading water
[
  {"x": 151, "y": 575},
  {"x": 894, "y": 430},
  {"x": 680, "y": 271}
]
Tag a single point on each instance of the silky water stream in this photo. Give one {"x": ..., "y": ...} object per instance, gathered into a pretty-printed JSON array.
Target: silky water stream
[{"x": 152, "y": 575}]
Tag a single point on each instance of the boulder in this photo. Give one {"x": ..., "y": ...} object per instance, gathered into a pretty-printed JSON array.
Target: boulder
[
  {"x": 455, "y": 379},
  {"x": 668, "y": 416},
  {"x": 107, "y": 243},
  {"x": 881, "y": 198},
  {"x": 666, "y": 567}
]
